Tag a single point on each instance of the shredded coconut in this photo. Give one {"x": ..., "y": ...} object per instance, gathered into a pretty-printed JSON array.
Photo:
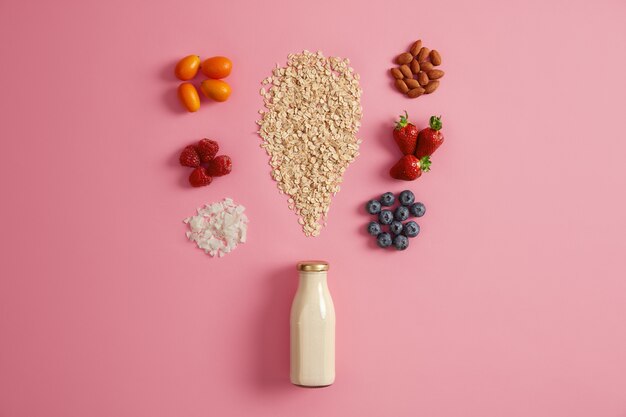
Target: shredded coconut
[{"x": 218, "y": 227}]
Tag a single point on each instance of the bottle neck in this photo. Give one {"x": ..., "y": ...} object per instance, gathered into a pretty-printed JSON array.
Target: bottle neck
[{"x": 313, "y": 279}]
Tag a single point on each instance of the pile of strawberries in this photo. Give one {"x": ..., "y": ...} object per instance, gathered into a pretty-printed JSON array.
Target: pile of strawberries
[
  {"x": 417, "y": 147},
  {"x": 202, "y": 157}
]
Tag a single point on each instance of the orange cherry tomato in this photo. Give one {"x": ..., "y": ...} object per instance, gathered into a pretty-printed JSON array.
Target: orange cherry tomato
[
  {"x": 189, "y": 97},
  {"x": 188, "y": 67},
  {"x": 217, "y": 90},
  {"x": 217, "y": 67}
]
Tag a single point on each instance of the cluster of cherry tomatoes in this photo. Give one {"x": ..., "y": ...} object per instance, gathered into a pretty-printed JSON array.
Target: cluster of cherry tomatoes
[{"x": 214, "y": 68}]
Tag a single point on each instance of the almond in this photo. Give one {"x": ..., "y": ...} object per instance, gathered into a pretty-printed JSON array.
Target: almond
[
  {"x": 435, "y": 74},
  {"x": 422, "y": 78},
  {"x": 415, "y": 92},
  {"x": 395, "y": 73},
  {"x": 435, "y": 58},
  {"x": 411, "y": 83},
  {"x": 415, "y": 48},
  {"x": 404, "y": 58},
  {"x": 406, "y": 71},
  {"x": 431, "y": 86},
  {"x": 423, "y": 54},
  {"x": 426, "y": 66},
  {"x": 415, "y": 66},
  {"x": 401, "y": 86}
]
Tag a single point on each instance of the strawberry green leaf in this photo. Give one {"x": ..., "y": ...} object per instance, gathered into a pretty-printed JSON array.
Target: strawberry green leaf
[
  {"x": 425, "y": 163},
  {"x": 404, "y": 120},
  {"x": 435, "y": 123}
]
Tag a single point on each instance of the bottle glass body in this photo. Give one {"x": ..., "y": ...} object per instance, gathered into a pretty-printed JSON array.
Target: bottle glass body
[{"x": 312, "y": 326}]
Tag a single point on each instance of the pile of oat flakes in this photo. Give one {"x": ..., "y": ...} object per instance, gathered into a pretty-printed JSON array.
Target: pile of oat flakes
[{"x": 309, "y": 131}]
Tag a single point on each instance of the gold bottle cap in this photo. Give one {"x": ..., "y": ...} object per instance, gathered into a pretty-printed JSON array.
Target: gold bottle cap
[{"x": 312, "y": 266}]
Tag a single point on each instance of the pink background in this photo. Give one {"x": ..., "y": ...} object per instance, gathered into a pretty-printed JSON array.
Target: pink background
[{"x": 512, "y": 302}]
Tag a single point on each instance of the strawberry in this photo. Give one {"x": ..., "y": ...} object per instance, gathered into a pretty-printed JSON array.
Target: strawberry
[
  {"x": 409, "y": 168},
  {"x": 220, "y": 165},
  {"x": 199, "y": 177},
  {"x": 189, "y": 157},
  {"x": 429, "y": 139},
  {"x": 405, "y": 134},
  {"x": 207, "y": 149}
]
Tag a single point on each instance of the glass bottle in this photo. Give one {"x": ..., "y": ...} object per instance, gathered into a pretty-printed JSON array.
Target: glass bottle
[{"x": 312, "y": 326}]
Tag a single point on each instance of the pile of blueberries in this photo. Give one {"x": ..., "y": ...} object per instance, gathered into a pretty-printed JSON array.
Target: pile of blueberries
[{"x": 400, "y": 231}]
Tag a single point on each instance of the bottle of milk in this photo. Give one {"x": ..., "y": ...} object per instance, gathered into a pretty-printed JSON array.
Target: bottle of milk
[{"x": 312, "y": 328}]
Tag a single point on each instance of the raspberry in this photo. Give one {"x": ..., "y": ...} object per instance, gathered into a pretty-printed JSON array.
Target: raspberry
[
  {"x": 189, "y": 157},
  {"x": 219, "y": 166},
  {"x": 207, "y": 149},
  {"x": 199, "y": 177}
]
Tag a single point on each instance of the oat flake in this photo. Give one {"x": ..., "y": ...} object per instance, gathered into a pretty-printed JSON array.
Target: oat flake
[{"x": 313, "y": 114}]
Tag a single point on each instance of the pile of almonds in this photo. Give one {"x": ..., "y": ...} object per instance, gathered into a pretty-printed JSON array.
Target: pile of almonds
[{"x": 416, "y": 73}]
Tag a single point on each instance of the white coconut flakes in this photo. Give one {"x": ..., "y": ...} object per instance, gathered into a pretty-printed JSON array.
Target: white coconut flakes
[{"x": 218, "y": 227}]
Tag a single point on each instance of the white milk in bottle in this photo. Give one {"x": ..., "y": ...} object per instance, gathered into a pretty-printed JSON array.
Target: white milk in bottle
[{"x": 312, "y": 328}]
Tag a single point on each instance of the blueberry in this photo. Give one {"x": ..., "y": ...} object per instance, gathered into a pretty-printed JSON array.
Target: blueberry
[
  {"x": 418, "y": 209},
  {"x": 385, "y": 216},
  {"x": 401, "y": 242},
  {"x": 373, "y": 207},
  {"x": 406, "y": 198},
  {"x": 387, "y": 199},
  {"x": 395, "y": 228},
  {"x": 373, "y": 229},
  {"x": 411, "y": 229},
  {"x": 384, "y": 240},
  {"x": 401, "y": 214}
]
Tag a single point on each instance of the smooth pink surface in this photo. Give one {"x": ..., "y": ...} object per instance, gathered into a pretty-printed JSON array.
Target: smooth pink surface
[{"x": 512, "y": 302}]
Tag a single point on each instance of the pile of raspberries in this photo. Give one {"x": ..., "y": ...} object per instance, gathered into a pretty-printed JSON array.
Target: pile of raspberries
[{"x": 202, "y": 158}]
